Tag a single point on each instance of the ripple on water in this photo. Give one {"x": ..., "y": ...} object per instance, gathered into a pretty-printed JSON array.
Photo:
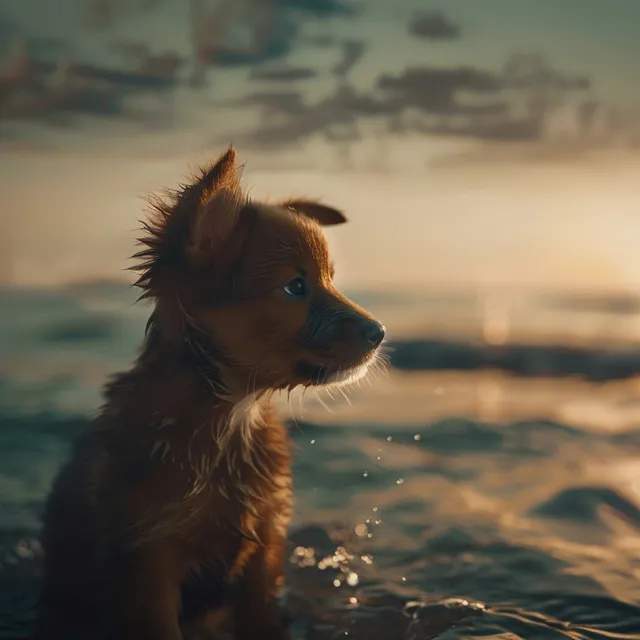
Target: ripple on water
[
  {"x": 471, "y": 543},
  {"x": 584, "y": 505}
]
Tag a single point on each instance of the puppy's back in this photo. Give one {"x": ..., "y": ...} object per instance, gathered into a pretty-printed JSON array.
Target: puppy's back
[{"x": 74, "y": 545}]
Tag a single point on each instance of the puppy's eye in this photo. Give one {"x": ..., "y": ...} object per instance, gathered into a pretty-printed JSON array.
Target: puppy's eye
[{"x": 297, "y": 288}]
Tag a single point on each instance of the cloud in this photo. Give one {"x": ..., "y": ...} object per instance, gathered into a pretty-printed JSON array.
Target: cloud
[
  {"x": 433, "y": 25},
  {"x": 156, "y": 72},
  {"x": 319, "y": 8},
  {"x": 346, "y": 103},
  {"x": 30, "y": 89},
  {"x": 335, "y": 117},
  {"x": 514, "y": 104},
  {"x": 283, "y": 74},
  {"x": 352, "y": 51},
  {"x": 511, "y": 105},
  {"x": 322, "y": 40},
  {"x": 273, "y": 103},
  {"x": 503, "y": 129},
  {"x": 42, "y": 88},
  {"x": 268, "y": 29},
  {"x": 435, "y": 89},
  {"x": 526, "y": 71}
]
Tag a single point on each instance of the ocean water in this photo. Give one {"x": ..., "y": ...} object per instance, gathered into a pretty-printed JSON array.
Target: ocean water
[{"x": 474, "y": 490}]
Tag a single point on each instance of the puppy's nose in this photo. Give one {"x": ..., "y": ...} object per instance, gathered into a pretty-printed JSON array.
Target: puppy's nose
[{"x": 373, "y": 332}]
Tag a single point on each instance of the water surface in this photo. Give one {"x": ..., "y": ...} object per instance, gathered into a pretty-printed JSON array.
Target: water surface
[{"x": 446, "y": 503}]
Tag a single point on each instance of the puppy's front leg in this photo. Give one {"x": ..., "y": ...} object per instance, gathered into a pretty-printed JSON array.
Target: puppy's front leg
[
  {"x": 256, "y": 611},
  {"x": 146, "y": 595}
]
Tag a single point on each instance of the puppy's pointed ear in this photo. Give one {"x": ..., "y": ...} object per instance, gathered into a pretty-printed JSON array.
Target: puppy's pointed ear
[
  {"x": 220, "y": 202},
  {"x": 322, "y": 214}
]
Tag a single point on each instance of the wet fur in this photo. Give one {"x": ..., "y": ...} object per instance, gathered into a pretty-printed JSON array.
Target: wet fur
[{"x": 173, "y": 508}]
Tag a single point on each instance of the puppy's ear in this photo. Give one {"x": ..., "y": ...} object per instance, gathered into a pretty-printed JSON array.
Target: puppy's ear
[
  {"x": 326, "y": 216},
  {"x": 220, "y": 202}
]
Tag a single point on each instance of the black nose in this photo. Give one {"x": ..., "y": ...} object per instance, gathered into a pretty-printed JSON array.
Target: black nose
[{"x": 373, "y": 332}]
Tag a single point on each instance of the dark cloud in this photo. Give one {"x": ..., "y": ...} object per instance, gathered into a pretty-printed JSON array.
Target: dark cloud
[
  {"x": 436, "y": 89},
  {"x": 510, "y": 105},
  {"x": 154, "y": 74},
  {"x": 276, "y": 103},
  {"x": 504, "y": 129},
  {"x": 132, "y": 49},
  {"x": 483, "y": 110},
  {"x": 38, "y": 86},
  {"x": 48, "y": 105},
  {"x": 283, "y": 74},
  {"x": 347, "y": 103},
  {"x": 513, "y": 104},
  {"x": 46, "y": 90},
  {"x": 531, "y": 71},
  {"x": 319, "y": 8},
  {"x": 504, "y": 104},
  {"x": 103, "y": 14},
  {"x": 321, "y": 40},
  {"x": 433, "y": 25},
  {"x": 491, "y": 122},
  {"x": 272, "y": 29},
  {"x": 352, "y": 51},
  {"x": 472, "y": 102},
  {"x": 335, "y": 117}
]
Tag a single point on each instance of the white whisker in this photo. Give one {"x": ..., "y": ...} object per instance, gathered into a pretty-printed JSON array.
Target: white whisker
[{"x": 322, "y": 402}]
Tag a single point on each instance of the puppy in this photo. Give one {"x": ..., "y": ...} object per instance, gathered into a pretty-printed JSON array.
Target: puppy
[{"x": 175, "y": 506}]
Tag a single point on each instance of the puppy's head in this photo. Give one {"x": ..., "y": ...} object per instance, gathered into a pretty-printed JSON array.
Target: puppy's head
[{"x": 253, "y": 284}]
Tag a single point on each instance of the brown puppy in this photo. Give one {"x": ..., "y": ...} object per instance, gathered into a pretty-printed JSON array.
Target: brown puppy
[{"x": 177, "y": 502}]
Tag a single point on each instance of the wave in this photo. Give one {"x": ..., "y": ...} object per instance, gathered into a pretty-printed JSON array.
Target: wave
[
  {"x": 518, "y": 359},
  {"x": 584, "y": 504}
]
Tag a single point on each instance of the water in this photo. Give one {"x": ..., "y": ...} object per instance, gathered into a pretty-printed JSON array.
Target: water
[{"x": 449, "y": 504}]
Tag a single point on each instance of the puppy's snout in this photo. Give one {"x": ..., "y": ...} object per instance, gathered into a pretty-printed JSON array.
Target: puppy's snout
[{"x": 372, "y": 332}]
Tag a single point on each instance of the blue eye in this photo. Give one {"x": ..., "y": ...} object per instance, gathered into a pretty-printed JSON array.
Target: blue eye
[{"x": 297, "y": 288}]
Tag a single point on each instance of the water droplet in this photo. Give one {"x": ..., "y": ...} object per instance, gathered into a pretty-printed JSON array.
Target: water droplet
[
  {"x": 404, "y": 579},
  {"x": 365, "y": 474},
  {"x": 416, "y": 437},
  {"x": 375, "y": 508},
  {"x": 353, "y": 600},
  {"x": 389, "y": 438},
  {"x": 367, "y": 558},
  {"x": 313, "y": 441},
  {"x": 378, "y": 458},
  {"x": 353, "y": 579},
  {"x": 336, "y": 583},
  {"x": 361, "y": 530},
  {"x": 378, "y": 521},
  {"x": 399, "y": 480},
  {"x": 23, "y": 550}
]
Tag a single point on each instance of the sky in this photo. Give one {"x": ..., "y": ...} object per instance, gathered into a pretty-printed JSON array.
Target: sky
[{"x": 476, "y": 143}]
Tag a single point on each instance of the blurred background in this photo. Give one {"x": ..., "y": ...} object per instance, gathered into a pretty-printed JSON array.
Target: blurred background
[{"x": 487, "y": 155}]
